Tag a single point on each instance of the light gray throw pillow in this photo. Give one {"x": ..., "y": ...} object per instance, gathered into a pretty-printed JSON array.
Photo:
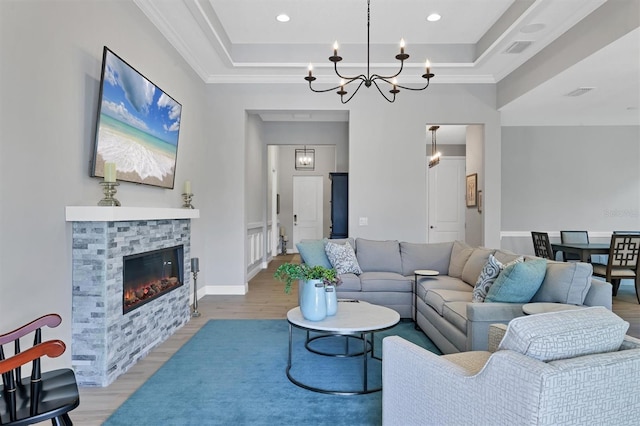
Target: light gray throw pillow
[
  {"x": 342, "y": 258},
  {"x": 565, "y": 282},
  {"x": 565, "y": 334}
]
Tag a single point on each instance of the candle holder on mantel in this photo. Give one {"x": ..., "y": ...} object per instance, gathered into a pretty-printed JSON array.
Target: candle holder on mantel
[
  {"x": 187, "y": 201},
  {"x": 109, "y": 189}
]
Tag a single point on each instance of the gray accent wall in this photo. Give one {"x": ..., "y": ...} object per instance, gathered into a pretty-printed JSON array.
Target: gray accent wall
[{"x": 556, "y": 178}]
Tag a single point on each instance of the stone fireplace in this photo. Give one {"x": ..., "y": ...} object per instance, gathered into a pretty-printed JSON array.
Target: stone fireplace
[{"x": 107, "y": 338}]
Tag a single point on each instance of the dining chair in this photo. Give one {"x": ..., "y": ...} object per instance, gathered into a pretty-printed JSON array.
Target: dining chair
[
  {"x": 569, "y": 237},
  {"x": 42, "y": 395},
  {"x": 623, "y": 262},
  {"x": 541, "y": 245}
]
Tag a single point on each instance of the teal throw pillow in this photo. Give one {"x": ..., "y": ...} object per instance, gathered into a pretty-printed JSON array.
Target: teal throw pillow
[
  {"x": 518, "y": 283},
  {"x": 313, "y": 254}
]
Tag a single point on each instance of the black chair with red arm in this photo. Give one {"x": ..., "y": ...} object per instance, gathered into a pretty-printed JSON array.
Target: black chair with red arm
[{"x": 42, "y": 395}]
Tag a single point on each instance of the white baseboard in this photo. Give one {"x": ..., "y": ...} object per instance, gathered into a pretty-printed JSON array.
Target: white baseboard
[{"x": 221, "y": 290}]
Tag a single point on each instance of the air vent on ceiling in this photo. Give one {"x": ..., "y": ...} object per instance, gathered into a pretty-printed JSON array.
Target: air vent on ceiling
[
  {"x": 579, "y": 91},
  {"x": 517, "y": 47}
]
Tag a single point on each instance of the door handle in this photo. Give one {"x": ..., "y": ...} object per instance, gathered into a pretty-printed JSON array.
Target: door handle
[
  {"x": 432, "y": 227},
  {"x": 295, "y": 219}
]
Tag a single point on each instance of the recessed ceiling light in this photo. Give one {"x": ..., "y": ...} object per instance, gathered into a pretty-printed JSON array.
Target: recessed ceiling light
[
  {"x": 532, "y": 28},
  {"x": 283, "y": 17},
  {"x": 433, "y": 17}
]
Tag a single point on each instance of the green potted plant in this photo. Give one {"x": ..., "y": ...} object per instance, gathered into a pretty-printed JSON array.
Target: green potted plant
[
  {"x": 290, "y": 272},
  {"x": 317, "y": 295}
]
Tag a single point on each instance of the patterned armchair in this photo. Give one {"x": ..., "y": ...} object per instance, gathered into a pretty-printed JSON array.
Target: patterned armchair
[{"x": 563, "y": 368}]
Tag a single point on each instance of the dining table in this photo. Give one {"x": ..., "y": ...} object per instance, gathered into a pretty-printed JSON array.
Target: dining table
[{"x": 584, "y": 250}]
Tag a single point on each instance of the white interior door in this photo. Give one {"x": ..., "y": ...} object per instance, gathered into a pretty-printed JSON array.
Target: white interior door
[
  {"x": 446, "y": 199},
  {"x": 307, "y": 208}
]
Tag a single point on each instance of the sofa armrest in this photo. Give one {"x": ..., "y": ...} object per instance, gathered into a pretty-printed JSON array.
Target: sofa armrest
[
  {"x": 599, "y": 294},
  {"x": 407, "y": 370},
  {"x": 481, "y": 315},
  {"x": 420, "y": 388}
]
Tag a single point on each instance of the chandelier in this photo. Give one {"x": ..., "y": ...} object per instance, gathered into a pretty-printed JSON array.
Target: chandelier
[
  {"x": 305, "y": 159},
  {"x": 369, "y": 79},
  {"x": 435, "y": 155}
]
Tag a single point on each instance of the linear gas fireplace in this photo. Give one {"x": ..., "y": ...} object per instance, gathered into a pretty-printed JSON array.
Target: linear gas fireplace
[{"x": 149, "y": 275}]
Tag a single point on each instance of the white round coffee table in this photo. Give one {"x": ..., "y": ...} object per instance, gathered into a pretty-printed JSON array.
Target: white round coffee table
[{"x": 359, "y": 320}]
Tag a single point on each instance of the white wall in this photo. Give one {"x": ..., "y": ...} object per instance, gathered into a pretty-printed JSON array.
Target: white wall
[
  {"x": 51, "y": 54},
  {"x": 555, "y": 178}
]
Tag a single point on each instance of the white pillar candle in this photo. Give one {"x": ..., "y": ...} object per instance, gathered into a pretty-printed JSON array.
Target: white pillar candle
[
  {"x": 109, "y": 172},
  {"x": 187, "y": 187}
]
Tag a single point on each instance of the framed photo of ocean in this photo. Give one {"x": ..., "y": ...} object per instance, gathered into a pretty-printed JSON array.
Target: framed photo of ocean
[{"x": 137, "y": 127}]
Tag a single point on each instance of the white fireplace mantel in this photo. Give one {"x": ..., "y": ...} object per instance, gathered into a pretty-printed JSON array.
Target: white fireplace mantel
[{"x": 118, "y": 214}]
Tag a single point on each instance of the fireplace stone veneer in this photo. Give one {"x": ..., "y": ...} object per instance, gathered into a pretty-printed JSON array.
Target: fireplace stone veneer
[{"x": 106, "y": 342}]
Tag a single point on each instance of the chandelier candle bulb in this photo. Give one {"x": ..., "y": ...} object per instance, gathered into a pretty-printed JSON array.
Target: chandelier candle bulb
[
  {"x": 401, "y": 46},
  {"x": 427, "y": 66},
  {"x": 310, "y": 70},
  {"x": 335, "y": 48}
]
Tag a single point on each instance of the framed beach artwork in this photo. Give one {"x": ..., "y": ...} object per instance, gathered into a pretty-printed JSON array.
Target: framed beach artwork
[
  {"x": 137, "y": 127},
  {"x": 472, "y": 190}
]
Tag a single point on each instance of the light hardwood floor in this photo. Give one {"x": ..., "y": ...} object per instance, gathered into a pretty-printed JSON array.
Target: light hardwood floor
[{"x": 265, "y": 300}]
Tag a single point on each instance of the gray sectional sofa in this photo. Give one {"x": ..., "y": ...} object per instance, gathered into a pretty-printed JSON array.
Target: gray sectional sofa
[{"x": 443, "y": 306}]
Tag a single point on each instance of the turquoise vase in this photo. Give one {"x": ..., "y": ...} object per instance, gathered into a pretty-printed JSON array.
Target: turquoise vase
[
  {"x": 313, "y": 302},
  {"x": 332, "y": 299}
]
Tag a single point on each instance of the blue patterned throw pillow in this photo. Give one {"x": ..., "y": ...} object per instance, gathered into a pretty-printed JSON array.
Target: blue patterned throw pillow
[
  {"x": 488, "y": 276},
  {"x": 342, "y": 258}
]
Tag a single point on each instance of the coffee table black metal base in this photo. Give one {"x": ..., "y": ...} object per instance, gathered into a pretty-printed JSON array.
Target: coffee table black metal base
[{"x": 353, "y": 321}]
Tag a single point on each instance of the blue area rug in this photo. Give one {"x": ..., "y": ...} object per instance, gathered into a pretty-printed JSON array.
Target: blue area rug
[{"x": 232, "y": 372}]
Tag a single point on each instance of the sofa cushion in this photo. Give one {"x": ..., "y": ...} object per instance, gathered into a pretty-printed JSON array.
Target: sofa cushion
[
  {"x": 379, "y": 256},
  {"x": 506, "y": 256},
  {"x": 437, "y": 298},
  {"x": 342, "y": 258},
  {"x": 518, "y": 282},
  {"x": 313, "y": 254},
  {"x": 385, "y": 281},
  {"x": 565, "y": 334},
  {"x": 435, "y": 256},
  {"x": 565, "y": 282},
  {"x": 456, "y": 314},
  {"x": 460, "y": 253},
  {"x": 487, "y": 277},
  {"x": 474, "y": 265},
  {"x": 349, "y": 282}
]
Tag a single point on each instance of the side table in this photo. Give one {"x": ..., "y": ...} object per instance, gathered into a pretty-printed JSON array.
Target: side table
[{"x": 420, "y": 273}]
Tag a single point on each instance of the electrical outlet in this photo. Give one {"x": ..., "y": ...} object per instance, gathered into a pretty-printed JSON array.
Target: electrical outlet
[{"x": 364, "y": 221}]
